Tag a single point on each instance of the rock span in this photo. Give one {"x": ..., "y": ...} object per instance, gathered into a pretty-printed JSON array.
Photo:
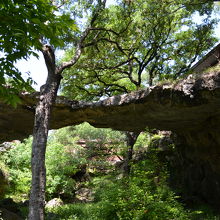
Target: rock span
[{"x": 193, "y": 104}]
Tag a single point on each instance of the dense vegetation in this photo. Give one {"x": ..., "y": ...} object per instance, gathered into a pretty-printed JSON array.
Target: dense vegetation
[
  {"x": 84, "y": 150},
  {"x": 114, "y": 49},
  {"x": 134, "y": 44}
]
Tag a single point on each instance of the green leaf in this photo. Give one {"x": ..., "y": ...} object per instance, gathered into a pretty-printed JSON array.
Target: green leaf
[{"x": 36, "y": 20}]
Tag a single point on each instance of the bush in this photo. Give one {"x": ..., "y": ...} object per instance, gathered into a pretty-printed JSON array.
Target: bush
[
  {"x": 63, "y": 159},
  {"x": 3, "y": 180},
  {"x": 17, "y": 159},
  {"x": 139, "y": 197},
  {"x": 142, "y": 195},
  {"x": 60, "y": 166}
]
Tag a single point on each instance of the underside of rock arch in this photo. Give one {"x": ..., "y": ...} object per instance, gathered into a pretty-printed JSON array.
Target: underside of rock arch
[{"x": 192, "y": 104}]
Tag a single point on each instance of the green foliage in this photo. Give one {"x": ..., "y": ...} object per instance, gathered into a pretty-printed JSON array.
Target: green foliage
[
  {"x": 133, "y": 44},
  {"x": 18, "y": 162},
  {"x": 63, "y": 159},
  {"x": 142, "y": 141},
  {"x": 136, "y": 197},
  {"x": 99, "y": 143},
  {"x": 23, "y": 25},
  {"x": 60, "y": 166},
  {"x": 144, "y": 195},
  {"x": 94, "y": 212},
  {"x": 105, "y": 135},
  {"x": 81, "y": 211}
]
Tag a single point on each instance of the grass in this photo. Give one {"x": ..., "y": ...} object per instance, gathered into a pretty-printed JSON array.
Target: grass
[{"x": 78, "y": 211}]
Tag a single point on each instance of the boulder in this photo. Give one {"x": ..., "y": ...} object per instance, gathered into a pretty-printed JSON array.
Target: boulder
[
  {"x": 84, "y": 195},
  {"x": 56, "y": 202}
]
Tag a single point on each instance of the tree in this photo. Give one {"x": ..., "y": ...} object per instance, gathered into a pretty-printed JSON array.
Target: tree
[
  {"x": 38, "y": 27},
  {"x": 48, "y": 93},
  {"x": 137, "y": 43},
  {"x": 25, "y": 27}
]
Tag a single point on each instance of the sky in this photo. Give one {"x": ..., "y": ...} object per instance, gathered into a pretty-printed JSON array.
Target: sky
[{"x": 37, "y": 68}]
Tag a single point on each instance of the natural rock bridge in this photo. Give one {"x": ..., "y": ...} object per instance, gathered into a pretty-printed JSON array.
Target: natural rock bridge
[
  {"x": 189, "y": 108},
  {"x": 192, "y": 105}
]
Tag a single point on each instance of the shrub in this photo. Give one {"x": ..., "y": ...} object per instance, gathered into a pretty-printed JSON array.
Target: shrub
[
  {"x": 60, "y": 166},
  {"x": 139, "y": 197},
  {"x": 3, "y": 180}
]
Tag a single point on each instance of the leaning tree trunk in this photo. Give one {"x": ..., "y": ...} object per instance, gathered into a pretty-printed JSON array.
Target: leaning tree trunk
[
  {"x": 131, "y": 138},
  {"x": 47, "y": 97}
]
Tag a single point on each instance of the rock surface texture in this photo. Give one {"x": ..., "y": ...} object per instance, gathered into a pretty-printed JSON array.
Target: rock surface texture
[
  {"x": 190, "y": 105},
  {"x": 190, "y": 108}
]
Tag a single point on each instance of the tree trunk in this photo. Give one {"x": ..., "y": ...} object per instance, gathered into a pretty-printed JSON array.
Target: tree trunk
[
  {"x": 48, "y": 95},
  {"x": 150, "y": 79},
  {"x": 131, "y": 138}
]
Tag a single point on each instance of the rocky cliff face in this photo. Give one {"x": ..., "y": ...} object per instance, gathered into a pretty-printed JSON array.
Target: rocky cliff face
[
  {"x": 190, "y": 108},
  {"x": 196, "y": 166}
]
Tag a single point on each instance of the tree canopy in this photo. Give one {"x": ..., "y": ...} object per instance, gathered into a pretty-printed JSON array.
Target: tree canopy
[
  {"x": 131, "y": 43},
  {"x": 135, "y": 43},
  {"x": 24, "y": 24}
]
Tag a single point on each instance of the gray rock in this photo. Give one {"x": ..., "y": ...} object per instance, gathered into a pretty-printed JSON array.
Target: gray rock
[
  {"x": 84, "y": 195},
  {"x": 54, "y": 203},
  {"x": 184, "y": 106}
]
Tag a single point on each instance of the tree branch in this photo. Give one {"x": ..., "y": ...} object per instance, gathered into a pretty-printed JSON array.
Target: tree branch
[
  {"x": 77, "y": 55},
  {"x": 49, "y": 58},
  {"x": 80, "y": 46},
  {"x": 113, "y": 42},
  {"x": 122, "y": 88},
  {"x": 104, "y": 29}
]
